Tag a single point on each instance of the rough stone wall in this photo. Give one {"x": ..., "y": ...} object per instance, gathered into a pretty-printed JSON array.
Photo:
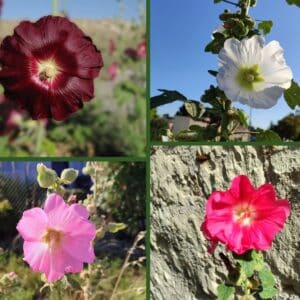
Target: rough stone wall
[{"x": 181, "y": 267}]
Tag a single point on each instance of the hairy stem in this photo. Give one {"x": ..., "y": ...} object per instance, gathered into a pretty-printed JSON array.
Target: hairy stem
[
  {"x": 39, "y": 137},
  {"x": 139, "y": 236},
  {"x": 54, "y": 7},
  {"x": 245, "y": 5}
]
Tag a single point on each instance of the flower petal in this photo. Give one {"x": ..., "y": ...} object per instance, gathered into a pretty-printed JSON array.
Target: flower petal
[{"x": 32, "y": 224}]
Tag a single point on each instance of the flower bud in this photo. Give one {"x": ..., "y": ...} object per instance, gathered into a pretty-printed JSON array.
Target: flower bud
[
  {"x": 87, "y": 170},
  {"x": 46, "y": 177},
  {"x": 91, "y": 208},
  {"x": 69, "y": 175}
]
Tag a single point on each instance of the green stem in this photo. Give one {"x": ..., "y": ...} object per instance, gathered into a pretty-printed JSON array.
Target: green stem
[
  {"x": 54, "y": 7},
  {"x": 39, "y": 137},
  {"x": 245, "y": 5}
]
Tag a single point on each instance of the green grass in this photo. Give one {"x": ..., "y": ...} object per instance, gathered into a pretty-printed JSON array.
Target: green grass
[{"x": 99, "y": 281}]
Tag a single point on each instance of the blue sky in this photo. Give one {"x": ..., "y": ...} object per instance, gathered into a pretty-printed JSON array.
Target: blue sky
[
  {"x": 181, "y": 29},
  {"x": 95, "y": 9}
]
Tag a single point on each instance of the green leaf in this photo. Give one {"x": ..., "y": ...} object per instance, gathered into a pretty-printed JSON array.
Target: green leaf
[
  {"x": 265, "y": 26},
  {"x": 249, "y": 262},
  {"x": 224, "y": 291},
  {"x": 74, "y": 283},
  {"x": 194, "y": 109},
  {"x": 217, "y": 1},
  {"x": 268, "y": 136},
  {"x": 267, "y": 281},
  {"x": 115, "y": 227},
  {"x": 293, "y": 2},
  {"x": 165, "y": 98},
  {"x": 216, "y": 44},
  {"x": 292, "y": 95},
  {"x": 187, "y": 135}
]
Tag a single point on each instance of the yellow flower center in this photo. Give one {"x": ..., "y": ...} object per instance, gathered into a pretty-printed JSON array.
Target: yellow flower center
[
  {"x": 53, "y": 237},
  {"x": 247, "y": 77},
  {"x": 47, "y": 70},
  {"x": 244, "y": 214}
]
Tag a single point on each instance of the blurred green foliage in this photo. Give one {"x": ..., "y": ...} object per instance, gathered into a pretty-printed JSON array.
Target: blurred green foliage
[
  {"x": 288, "y": 128},
  {"x": 127, "y": 196},
  {"x": 100, "y": 281}
]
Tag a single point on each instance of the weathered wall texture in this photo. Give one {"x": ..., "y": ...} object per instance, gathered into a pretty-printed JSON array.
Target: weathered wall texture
[{"x": 181, "y": 268}]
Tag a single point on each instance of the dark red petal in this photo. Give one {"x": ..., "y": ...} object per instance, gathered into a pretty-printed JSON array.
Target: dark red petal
[{"x": 50, "y": 38}]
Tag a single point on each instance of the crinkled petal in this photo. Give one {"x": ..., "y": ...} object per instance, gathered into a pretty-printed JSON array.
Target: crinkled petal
[{"x": 32, "y": 224}]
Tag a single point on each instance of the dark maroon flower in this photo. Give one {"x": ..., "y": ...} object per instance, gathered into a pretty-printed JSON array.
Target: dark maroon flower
[
  {"x": 9, "y": 116},
  {"x": 132, "y": 53},
  {"x": 138, "y": 53},
  {"x": 48, "y": 67}
]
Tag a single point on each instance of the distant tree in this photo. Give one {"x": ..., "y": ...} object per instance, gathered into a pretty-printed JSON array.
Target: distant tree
[{"x": 288, "y": 127}]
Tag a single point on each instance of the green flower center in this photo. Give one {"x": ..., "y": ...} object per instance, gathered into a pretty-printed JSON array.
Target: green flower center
[{"x": 247, "y": 77}]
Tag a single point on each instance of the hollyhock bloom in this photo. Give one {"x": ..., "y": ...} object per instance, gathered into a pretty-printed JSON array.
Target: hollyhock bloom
[
  {"x": 48, "y": 67},
  {"x": 57, "y": 239},
  {"x": 142, "y": 49},
  {"x": 244, "y": 218},
  {"x": 132, "y": 53},
  {"x": 253, "y": 73},
  {"x": 113, "y": 70},
  {"x": 9, "y": 116}
]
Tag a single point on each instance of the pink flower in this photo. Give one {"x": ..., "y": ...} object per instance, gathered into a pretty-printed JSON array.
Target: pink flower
[
  {"x": 142, "y": 49},
  {"x": 57, "y": 239},
  {"x": 113, "y": 70},
  {"x": 10, "y": 116},
  {"x": 244, "y": 218}
]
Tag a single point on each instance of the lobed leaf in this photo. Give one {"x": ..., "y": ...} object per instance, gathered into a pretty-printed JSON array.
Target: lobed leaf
[
  {"x": 194, "y": 108},
  {"x": 224, "y": 291},
  {"x": 267, "y": 281},
  {"x": 292, "y": 95},
  {"x": 265, "y": 26}
]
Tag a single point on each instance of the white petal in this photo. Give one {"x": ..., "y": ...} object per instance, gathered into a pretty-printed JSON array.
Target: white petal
[
  {"x": 251, "y": 50},
  {"x": 274, "y": 69},
  {"x": 266, "y": 98}
]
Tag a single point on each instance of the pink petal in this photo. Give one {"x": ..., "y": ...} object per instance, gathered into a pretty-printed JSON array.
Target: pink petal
[
  {"x": 40, "y": 260},
  {"x": 79, "y": 248},
  {"x": 80, "y": 210},
  {"x": 241, "y": 188},
  {"x": 32, "y": 224}
]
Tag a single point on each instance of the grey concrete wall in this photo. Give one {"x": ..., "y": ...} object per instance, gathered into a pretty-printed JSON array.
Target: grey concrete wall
[{"x": 181, "y": 267}]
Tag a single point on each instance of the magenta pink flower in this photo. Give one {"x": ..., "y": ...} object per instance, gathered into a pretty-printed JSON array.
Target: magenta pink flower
[
  {"x": 9, "y": 116},
  {"x": 244, "y": 218},
  {"x": 142, "y": 49},
  {"x": 113, "y": 70},
  {"x": 58, "y": 238},
  {"x": 48, "y": 67}
]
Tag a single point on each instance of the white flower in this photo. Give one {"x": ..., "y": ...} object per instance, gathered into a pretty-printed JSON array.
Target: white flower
[{"x": 253, "y": 73}]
